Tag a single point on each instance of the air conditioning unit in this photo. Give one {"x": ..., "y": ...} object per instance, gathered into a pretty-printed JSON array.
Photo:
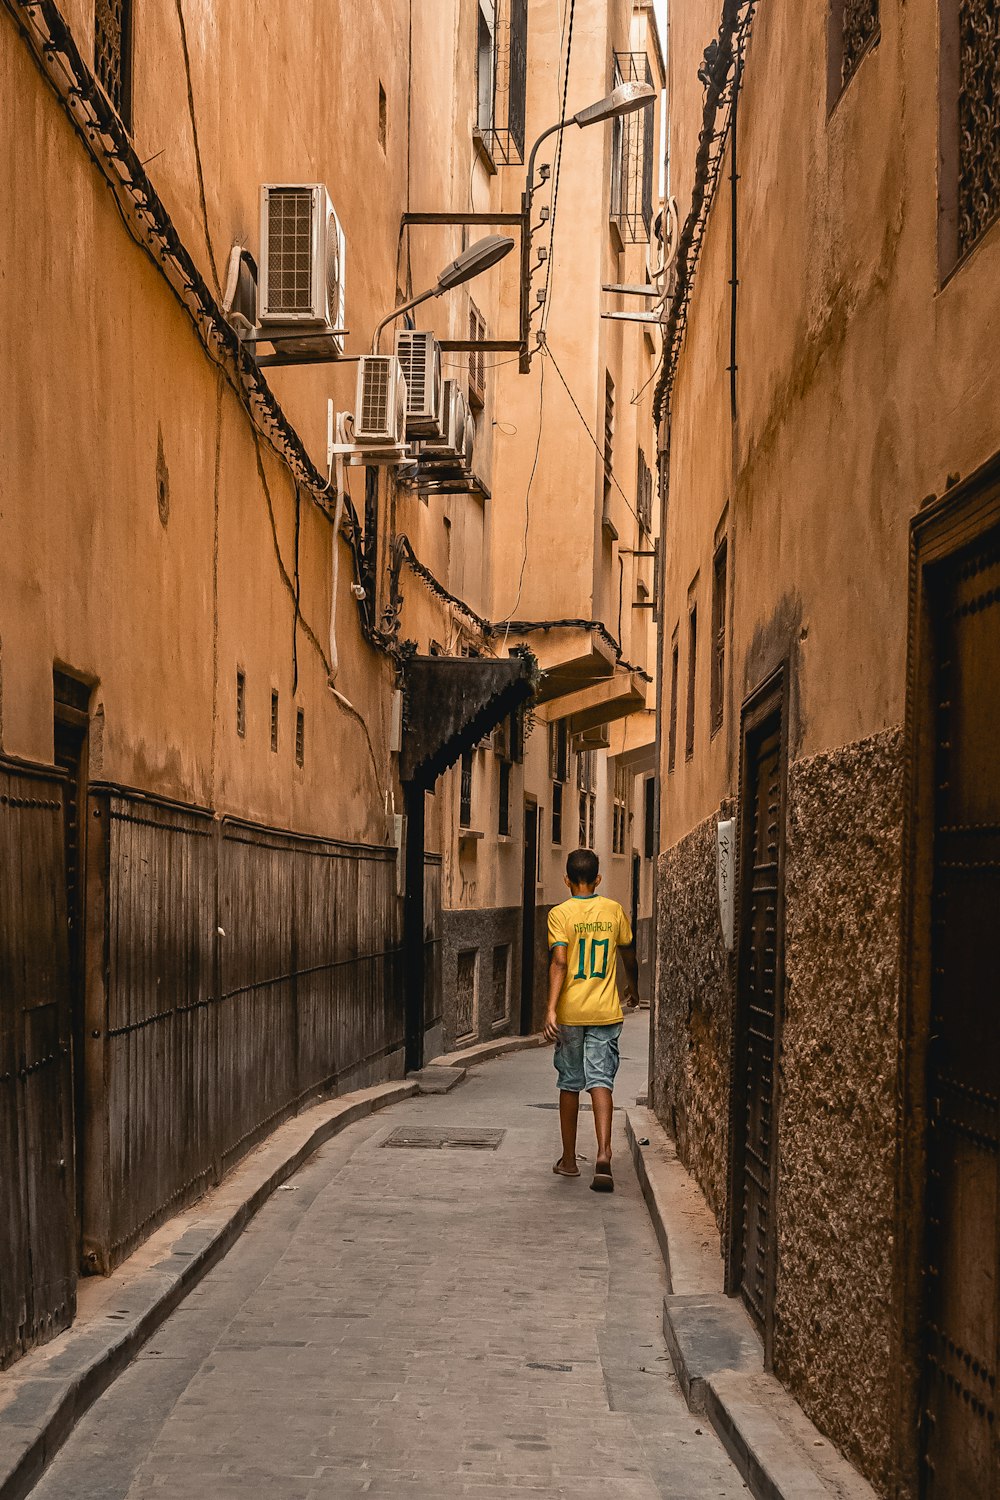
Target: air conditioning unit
[
  {"x": 301, "y": 291},
  {"x": 380, "y": 404},
  {"x": 419, "y": 355},
  {"x": 239, "y": 301},
  {"x": 449, "y": 442},
  {"x": 468, "y": 441}
]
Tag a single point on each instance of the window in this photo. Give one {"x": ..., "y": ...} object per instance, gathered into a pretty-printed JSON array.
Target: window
[
  {"x": 477, "y": 359},
  {"x": 620, "y": 815},
  {"x": 650, "y": 818},
  {"x": 609, "y": 444},
  {"x": 558, "y": 772},
  {"x": 381, "y": 116},
  {"x": 466, "y": 992},
  {"x": 586, "y": 782},
  {"x": 719, "y": 569},
  {"x": 274, "y": 721},
  {"x": 692, "y": 663},
  {"x": 970, "y": 138},
  {"x": 644, "y": 494},
  {"x": 854, "y": 28},
  {"x": 502, "y": 56},
  {"x": 300, "y": 737},
  {"x": 502, "y": 745},
  {"x": 465, "y": 791},
  {"x": 632, "y": 157},
  {"x": 672, "y": 731},
  {"x": 241, "y": 702},
  {"x": 557, "y": 801},
  {"x": 113, "y": 53},
  {"x": 501, "y": 970}
]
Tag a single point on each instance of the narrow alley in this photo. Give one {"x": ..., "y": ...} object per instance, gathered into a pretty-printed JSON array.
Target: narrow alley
[{"x": 407, "y": 1323}]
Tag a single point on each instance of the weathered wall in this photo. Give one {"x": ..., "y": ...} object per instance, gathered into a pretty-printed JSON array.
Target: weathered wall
[
  {"x": 836, "y": 1129},
  {"x": 478, "y": 1013},
  {"x": 693, "y": 1015}
]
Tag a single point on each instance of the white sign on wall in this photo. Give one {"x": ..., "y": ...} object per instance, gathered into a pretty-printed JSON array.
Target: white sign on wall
[{"x": 725, "y": 852}]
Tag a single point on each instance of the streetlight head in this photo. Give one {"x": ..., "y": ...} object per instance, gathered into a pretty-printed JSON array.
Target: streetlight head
[
  {"x": 624, "y": 100},
  {"x": 479, "y": 257}
]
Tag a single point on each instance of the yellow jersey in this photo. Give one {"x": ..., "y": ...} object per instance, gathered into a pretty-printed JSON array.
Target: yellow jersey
[{"x": 591, "y": 929}]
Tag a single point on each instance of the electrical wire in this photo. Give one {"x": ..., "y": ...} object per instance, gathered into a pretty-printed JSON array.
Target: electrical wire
[
  {"x": 555, "y": 174},
  {"x": 547, "y": 353},
  {"x": 527, "y": 496}
]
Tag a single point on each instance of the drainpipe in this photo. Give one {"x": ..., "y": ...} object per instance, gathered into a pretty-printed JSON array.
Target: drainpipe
[{"x": 659, "y": 585}]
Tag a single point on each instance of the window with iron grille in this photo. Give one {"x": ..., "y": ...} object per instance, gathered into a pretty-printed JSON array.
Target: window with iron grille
[
  {"x": 674, "y": 676},
  {"x": 692, "y": 663},
  {"x": 974, "y": 123},
  {"x": 502, "y": 746},
  {"x": 113, "y": 53},
  {"x": 300, "y": 737},
  {"x": 588, "y": 809},
  {"x": 632, "y": 157},
  {"x": 557, "y": 806},
  {"x": 465, "y": 791},
  {"x": 502, "y": 58},
  {"x": 854, "y": 28},
  {"x": 719, "y": 586},
  {"x": 620, "y": 816},
  {"x": 609, "y": 440},
  {"x": 644, "y": 494},
  {"x": 274, "y": 722},
  {"x": 477, "y": 359},
  {"x": 501, "y": 985},
  {"x": 650, "y": 819},
  {"x": 241, "y": 703},
  {"x": 559, "y": 750}
]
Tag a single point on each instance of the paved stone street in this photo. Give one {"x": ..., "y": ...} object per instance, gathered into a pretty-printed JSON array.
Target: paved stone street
[{"x": 409, "y": 1322}]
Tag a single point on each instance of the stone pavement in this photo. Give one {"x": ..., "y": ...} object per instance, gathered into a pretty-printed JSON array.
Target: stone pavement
[{"x": 407, "y": 1323}]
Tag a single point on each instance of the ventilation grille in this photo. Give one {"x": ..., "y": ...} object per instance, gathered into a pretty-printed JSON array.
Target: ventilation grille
[
  {"x": 289, "y": 250},
  {"x": 438, "y": 1138},
  {"x": 375, "y": 388}
]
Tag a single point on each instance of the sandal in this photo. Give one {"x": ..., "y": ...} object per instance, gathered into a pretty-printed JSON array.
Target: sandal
[
  {"x": 561, "y": 1171},
  {"x": 603, "y": 1181}
]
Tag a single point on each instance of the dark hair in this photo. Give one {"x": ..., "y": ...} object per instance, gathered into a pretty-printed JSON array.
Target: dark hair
[{"x": 582, "y": 867}]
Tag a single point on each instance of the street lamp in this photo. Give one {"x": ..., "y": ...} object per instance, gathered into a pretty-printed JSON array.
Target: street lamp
[
  {"x": 472, "y": 262},
  {"x": 626, "y": 99}
]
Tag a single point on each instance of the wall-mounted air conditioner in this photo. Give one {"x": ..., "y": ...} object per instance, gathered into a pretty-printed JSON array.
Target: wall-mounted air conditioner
[
  {"x": 468, "y": 444},
  {"x": 380, "y": 403},
  {"x": 419, "y": 355},
  {"x": 301, "y": 298},
  {"x": 452, "y": 424}
]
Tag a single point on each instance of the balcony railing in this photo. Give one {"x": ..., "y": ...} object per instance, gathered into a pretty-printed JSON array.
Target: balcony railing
[
  {"x": 503, "y": 130},
  {"x": 632, "y": 157}
]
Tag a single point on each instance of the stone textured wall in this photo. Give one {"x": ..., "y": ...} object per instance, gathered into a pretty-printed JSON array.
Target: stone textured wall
[
  {"x": 837, "y": 1123},
  {"x": 694, "y": 1011},
  {"x": 479, "y": 931}
]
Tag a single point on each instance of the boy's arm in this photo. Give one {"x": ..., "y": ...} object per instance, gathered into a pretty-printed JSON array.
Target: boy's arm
[
  {"x": 630, "y": 964},
  {"x": 557, "y": 973}
]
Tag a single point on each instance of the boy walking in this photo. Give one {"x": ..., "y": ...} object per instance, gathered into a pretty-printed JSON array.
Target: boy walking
[{"x": 584, "y": 1016}]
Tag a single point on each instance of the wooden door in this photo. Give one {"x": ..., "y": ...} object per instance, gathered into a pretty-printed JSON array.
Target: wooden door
[
  {"x": 759, "y": 1009},
  {"x": 960, "y": 1336}
]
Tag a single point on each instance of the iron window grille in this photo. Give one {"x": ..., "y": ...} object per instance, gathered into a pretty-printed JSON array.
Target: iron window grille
[
  {"x": 113, "y": 53},
  {"x": 477, "y": 359},
  {"x": 300, "y": 737},
  {"x": 501, "y": 969},
  {"x": 632, "y": 157},
  {"x": 674, "y": 678},
  {"x": 609, "y": 442},
  {"x": 978, "y": 120},
  {"x": 720, "y": 570},
  {"x": 503, "y": 70},
  {"x": 691, "y": 665},
  {"x": 620, "y": 817},
  {"x": 274, "y": 721},
  {"x": 557, "y": 805},
  {"x": 465, "y": 794},
  {"x": 588, "y": 807},
  {"x": 503, "y": 801},
  {"x": 241, "y": 703},
  {"x": 650, "y": 811},
  {"x": 644, "y": 494},
  {"x": 559, "y": 751}
]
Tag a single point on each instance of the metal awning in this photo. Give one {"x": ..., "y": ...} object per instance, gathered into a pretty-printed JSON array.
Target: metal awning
[{"x": 451, "y": 702}]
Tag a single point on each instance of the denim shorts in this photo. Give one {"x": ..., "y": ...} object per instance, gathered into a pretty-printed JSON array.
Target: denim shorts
[{"x": 587, "y": 1057}]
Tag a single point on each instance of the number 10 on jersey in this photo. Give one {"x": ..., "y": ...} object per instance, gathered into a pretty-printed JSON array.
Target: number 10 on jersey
[{"x": 597, "y": 950}]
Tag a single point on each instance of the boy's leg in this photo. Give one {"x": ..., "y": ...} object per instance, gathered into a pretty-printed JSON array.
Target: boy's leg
[
  {"x": 603, "y": 1102},
  {"x": 569, "y": 1111}
]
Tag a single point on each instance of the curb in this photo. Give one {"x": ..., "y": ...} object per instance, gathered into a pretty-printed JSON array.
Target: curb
[
  {"x": 717, "y": 1356},
  {"x": 50, "y": 1389},
  {"x": 482, "y": 1052}
]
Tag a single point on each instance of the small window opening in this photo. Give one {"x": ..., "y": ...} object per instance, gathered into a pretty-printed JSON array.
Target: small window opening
[
  {"x": 300, "y": 737},
  {"x": 381, "y": 116},
  {"x": 465, "y": 793},
  {"x": 692, "y": 663},
  {"x": 719, "y": 586},
  {"x": 241, "y": 703},
  {"x": 274, "y": 721},
  {"x": 672, "y": 732}
]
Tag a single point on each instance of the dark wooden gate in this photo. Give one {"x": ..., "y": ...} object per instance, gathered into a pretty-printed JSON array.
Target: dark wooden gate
[
  {"x": 960, "y": 1343},
  {"x": 758, "y": 1032},
  {"x": 37, "y": 1241}
]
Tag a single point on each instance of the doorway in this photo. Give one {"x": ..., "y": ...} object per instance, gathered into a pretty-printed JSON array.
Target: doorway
[
  {"x": 71, "y": 721},
  {"x": 951, "y": 1139},
  {"x": 529, "y": 880},
  {"x": 754, "y": 1168}
]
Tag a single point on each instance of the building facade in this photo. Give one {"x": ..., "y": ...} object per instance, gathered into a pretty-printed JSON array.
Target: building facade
[
  {"x": 824, "y": 1048},
  {"x": 210, "y": 631}
]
